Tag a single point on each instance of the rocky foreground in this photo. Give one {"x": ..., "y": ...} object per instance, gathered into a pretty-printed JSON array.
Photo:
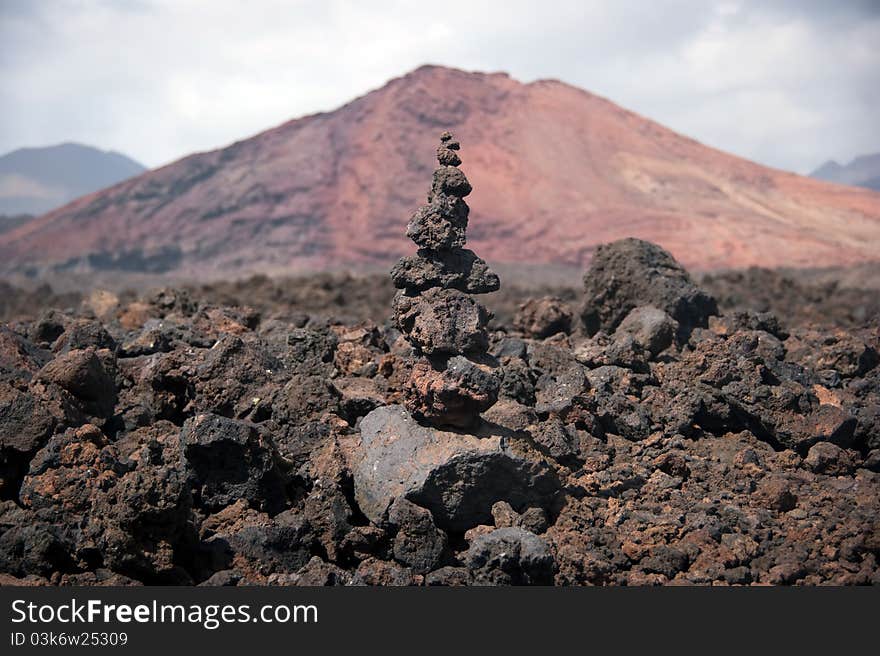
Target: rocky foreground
[{"x": 641, "y": 435}]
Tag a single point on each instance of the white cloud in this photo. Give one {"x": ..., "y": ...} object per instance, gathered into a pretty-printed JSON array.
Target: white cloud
[{"x": 786, "y": 83}]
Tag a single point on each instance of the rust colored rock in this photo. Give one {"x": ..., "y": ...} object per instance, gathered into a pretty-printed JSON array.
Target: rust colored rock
[
  {"x": 454, "y": 395},
  {"x": 543, "y": 317}
]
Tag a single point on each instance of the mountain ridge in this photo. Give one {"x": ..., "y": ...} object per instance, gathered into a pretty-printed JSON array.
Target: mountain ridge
[
  {"x": 34, "y": 180},
  {"x": 556, "y": 170},
  {"x": 861, "y": 171}
]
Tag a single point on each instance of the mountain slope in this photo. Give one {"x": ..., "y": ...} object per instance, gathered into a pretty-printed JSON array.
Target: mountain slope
[
  {"x": 555, "y": 170},
  {"x": 36, "y": 180},
  {"x": 863, "y": 171}
]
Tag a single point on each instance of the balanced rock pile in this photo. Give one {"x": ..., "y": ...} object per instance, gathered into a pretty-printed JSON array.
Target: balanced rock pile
[
  {"x": 406, "y": 463},
  {"x": 453, "y": 380}
]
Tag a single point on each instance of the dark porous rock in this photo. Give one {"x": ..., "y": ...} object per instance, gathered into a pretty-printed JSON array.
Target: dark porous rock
[
  {"x": 728, "y": 324},
  {"x": 650, "y": 327},
  {"x": 447, "y": 157},
  {"x": 776, "y": 493},
  {"x": 20, "y": 359},
  {"x": 872, "y": 461},
  {"x": 510, "y": 347},
  {"x": 561, "y": 442},
  {"x": 450, "y": 181},
  {"x": 510, "y": 556},
  {"x": 440, "y": 225},
  {"x": 358, "y": 396},
  {"x": 303, "y": 397},
  {"x": 533, "y": 520},
  {"x": 517, "y": 382},
  {"x": 418, "y": 544},
  {"x": 82, "y": 334},
  {"x": 229, "y": 375},
  {"x": 84, "y": 374},
  {"x": 280, "y": 546},
  {"x": 543, "y": 317},
  {"x": 231, "y": 460},
  {"x": 629, "y": 273},
  {"x": 25, "y": 426},
  {"x": 317, "y": 573},
  {"x": 827, "y": 423},
  {"x": 511, "y": 415},
  {"x": 449, "y": 577},
  {"x": 840, "y": 351},
  {"x": 373, "y": 571},
  {"x": 48, "y": 327},
  {"x": 223, "y": 579},
  {"x": 828, "y": 458},
  {"x": 619, "y": 350},
  {"x": 665, "y": 560},
  {"x": 459, "y": 269},
  {"x": 443, "y": 321},
  {"x": 29, "y": 547},
  {"x": 557, "y": 391},
  {"x": 451, "y": 394},
  {"x": 309, "y": 349},
  {"x": 434, "y": 311},
  {"x": 151, "y": 339},
  {"x": 454, "y": 475},
  {"x": 296, "y": 442},
  {"x": 129, "y": 499}
]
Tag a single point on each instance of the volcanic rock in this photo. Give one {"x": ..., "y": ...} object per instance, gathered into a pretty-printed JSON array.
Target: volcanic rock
[
  {"x": 630, "y": 273},
  {"x": 543, "y": 317},
  {"x": 439, "y": 225},
  {"x": 85, "y": 376},
  {"x": 435, "y": 312},
  {"x": 443, "y": 321},
  {"x": 419, "y": 544},
  {"x": 510, "y": 556},
  {"x": 650, "y": 327},
  {"x": 452, "y": 396},
  {"x": 25, "y": 426},
  {"x": 129, "y": 500},
  {"x": 454, "y": 475},
  {"x": 458, "y": 269},
  {"x": 231, "y": 460}
]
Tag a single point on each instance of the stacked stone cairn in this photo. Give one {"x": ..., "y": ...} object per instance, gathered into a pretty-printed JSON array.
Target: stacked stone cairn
[{"x": 453, "y": 379}]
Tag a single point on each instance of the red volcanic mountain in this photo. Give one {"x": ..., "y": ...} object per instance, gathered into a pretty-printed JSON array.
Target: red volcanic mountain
[{"x": 555, "y": 171}]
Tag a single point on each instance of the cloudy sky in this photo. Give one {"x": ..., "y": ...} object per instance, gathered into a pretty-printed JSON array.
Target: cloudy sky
[{"x": 786, "y": 83}]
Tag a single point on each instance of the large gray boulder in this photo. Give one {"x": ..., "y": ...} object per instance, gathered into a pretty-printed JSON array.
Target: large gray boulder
[{"x": 458, "y": 477}]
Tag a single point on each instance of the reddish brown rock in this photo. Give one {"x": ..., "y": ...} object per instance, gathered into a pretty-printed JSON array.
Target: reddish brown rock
[{"x": 454, "y": 395}]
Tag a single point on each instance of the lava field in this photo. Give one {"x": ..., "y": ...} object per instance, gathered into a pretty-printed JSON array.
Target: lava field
[{"x": 647, "y": 428}]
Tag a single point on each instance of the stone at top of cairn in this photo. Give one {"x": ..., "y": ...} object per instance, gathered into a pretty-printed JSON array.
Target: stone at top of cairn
[{"x": 446, "y": 154}]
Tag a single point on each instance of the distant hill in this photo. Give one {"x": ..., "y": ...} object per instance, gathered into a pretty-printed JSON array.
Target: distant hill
[
  {"x": 863, "y": 171},
  {"x": 9, "y": 222},
  {"x": 556, "y": 171},
  {"x": 36, "y": 180}
]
